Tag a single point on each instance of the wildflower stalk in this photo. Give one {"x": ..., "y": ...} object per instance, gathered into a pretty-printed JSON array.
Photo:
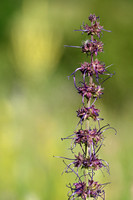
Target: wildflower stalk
[
  {"x": 88, "y": 149},
  {"x": 87, "y": 162}
]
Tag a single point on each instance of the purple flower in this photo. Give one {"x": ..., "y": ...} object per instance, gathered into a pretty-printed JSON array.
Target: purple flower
[
  {"x": 89, "y": 163},
  {"x": 88, "y": 137},
  {"x": 95, "y": 29},
  {"x": 80, "y": 189},
  {"x": 98, "y": 67},
  {"x": 92, "y": 47},
  {"x": 93, "y": 189},
  {"x": 94, "y": 68},
  {"x": 92, "y": 18},
  {"x": 90, "y": 91},
  {"x": 86, "y": 113}
]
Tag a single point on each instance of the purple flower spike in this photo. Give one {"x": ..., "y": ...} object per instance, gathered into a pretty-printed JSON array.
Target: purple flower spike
[{"x": 89, "y": 138}]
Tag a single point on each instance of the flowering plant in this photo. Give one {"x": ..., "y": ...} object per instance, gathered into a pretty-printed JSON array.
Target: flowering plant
[{"x": 90, "y": 139}]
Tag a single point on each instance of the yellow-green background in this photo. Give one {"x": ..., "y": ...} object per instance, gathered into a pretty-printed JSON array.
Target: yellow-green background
[{"x": 38, "y": 103}]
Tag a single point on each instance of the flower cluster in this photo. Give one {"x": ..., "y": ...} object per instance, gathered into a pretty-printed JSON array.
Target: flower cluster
[
  {"x": 91, "y": 91},
  {"x": 90, "y": 162},
  {"x": 94, "y": 68},
  {"x": 92, "y": 47},
  {"x": 88, "y": 138},
  {"x": 84, "y": 191},
  {"x": 95, "y": 29},
  {"x": 86, "y": 113}
]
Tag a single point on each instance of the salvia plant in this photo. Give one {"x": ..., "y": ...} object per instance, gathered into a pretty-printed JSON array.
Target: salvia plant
[{"x": 89, "y": 134}]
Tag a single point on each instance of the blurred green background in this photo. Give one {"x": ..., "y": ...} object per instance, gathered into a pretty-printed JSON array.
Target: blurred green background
[{"x": 38, "y": 103}]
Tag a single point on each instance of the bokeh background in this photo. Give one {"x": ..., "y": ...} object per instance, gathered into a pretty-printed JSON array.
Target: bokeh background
[{"x": 38, "y": 102}]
